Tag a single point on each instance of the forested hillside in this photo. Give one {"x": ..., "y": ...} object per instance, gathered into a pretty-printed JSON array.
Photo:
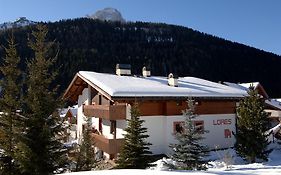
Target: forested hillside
[{"x": 86, "y": 44}]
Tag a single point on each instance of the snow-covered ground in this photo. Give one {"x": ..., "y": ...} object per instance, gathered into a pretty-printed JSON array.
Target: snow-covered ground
[{"x": 217, "y": 167}]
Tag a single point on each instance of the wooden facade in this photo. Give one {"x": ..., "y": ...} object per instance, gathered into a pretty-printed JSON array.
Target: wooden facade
[
  {"x": 110, "y": 112},
  {"x": 159, "y": 108},
  {"x": 168, "y": 108},
  {"x": 110, "y": 146}
]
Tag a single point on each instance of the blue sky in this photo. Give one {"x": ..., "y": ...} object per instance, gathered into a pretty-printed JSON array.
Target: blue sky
[{"x": 255, "y": 23}]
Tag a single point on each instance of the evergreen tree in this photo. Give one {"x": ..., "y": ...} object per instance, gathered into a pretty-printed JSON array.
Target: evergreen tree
[
  {"x": 252, "y": 124},
  {"x": 189, "y": 153},
  {"x": 44, "y": 125},
  {"x": 135, "y": 152},
  {"x": 86, "y": 152},
  {"x": 10, "y": 121}
]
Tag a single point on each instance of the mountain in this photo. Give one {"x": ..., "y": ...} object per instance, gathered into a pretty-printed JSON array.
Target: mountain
[
  {"x": 94, "y": 45},
  {"x": 108, "y": 14},
  {"x": 20, "y": 22}
]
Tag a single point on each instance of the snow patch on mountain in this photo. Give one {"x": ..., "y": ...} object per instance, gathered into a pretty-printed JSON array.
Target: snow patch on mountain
[
  {"x": 107, "y": 14},
  {"x": 20, "y": 22}
]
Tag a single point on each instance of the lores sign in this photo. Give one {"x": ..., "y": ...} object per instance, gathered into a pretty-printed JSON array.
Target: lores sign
[
  {"x": 219, "y": 122},
  {"x": 222, "y": 122}
]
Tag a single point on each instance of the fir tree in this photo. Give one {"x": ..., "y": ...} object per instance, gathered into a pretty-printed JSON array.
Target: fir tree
[
  {"x": 44, "y": 125},
  {"x": 189, "y": 152},
  {"x": 86, "y": 152},
  {"x": 252, "y": 124},
  {"x": 10, "y": 121},
  {"x": 135, "y": 152}
]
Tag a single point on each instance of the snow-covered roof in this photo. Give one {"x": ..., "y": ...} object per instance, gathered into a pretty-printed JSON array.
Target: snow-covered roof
[
  {"x": 72, "y": 110},
  {"x": 275, "y": 129},
  {"x": 274, "y": 103},
  {"x": 242, "y": 86},
  {"x": 235, "y": 85},
  {"x": 246, "y": 86},
  {"x": 154, "y": 86},
  {"x": 272, "y": 132}
]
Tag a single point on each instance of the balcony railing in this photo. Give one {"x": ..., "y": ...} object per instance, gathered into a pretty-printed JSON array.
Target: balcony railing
[
  {"x": 110, "y": 146},
  {"x": 110, "y": 112}
]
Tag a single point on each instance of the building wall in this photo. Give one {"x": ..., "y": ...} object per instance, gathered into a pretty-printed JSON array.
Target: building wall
[
  {"x": 156, "y": 129},
  {"x": 120, "y": 126},
  {"x": 81, "y": 118},
  {"x": 161, "y": 128},
  {"x": 95, "y": 123},
  {"x": 98, "y": 98},
  {"x": 72, "y": 132},
  {"x": 106, "y": 129},
  {"x": 160, "y": 122}
]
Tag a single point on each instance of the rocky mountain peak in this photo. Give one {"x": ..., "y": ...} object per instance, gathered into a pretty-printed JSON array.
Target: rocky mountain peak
[
  {"x": 108, "y": 14},
  {"x": 20, "y": 22}
]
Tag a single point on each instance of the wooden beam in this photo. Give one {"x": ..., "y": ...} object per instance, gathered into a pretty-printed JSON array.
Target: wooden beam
[{"x": 96, "y": 87}]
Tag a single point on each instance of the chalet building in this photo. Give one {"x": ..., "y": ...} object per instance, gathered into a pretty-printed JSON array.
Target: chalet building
[
  {"x": 70, "y": 120},
  {"x": 108, "y": 98},
  {"x": 272, "y": 106},
  {"x": 71, "y": 116}
]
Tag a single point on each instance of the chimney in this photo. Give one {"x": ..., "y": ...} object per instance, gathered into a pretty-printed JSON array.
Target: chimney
[
  {"x": 146, "y": 72},
  {"x": 123, "y": 69},
  {"x": 172, "y": 80}
]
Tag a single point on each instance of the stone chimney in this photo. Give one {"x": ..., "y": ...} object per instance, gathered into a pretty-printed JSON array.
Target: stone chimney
[
  {"x": 123, "y": 69},
  {"x": 172, "y": 80},
  {"x": 146, "y": 72}
]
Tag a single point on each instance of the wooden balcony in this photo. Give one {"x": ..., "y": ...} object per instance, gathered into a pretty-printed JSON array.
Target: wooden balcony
[
  {"x": 110, "y": 112},
  {"x": 110, "y": 146}
]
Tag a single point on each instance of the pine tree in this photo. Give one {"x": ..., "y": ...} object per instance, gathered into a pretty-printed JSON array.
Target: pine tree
[
  {"x": 189, "y": 152},
  {"x": 86, "y": 153},
  {"x": 252, "y": 124},
  {"x": 135, "y": 152},
  {"x": 44, "y": 125},
  {"x": 10, "y": 121}
]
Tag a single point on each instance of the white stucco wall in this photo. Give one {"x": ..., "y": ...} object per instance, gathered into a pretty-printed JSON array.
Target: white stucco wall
[
  {"x": 84, "y": 98},
  {"x": 215, "y": 137},
  {"x": 160, "y": 131},
  {"x": 106, "y": 129},
  {"x": 95, "y": 123},
  {"x": 120, "y": 126},
  {"x": 160, "y": 128},
  {"x": 156, "y": 130}
]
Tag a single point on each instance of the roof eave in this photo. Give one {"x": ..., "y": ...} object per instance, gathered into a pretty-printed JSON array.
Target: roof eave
[
  {"x": 129, "y": 98},
  {"x": 67, "y": 96}
]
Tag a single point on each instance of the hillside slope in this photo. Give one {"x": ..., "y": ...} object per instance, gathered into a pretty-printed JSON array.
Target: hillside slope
[{"x": 86, "y": 44}]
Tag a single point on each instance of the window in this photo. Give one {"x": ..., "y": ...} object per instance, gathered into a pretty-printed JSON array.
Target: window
[
  {"x": 83, "y": 128},
  {"x": 100, "y": 99},
  {"x": 100, "y": 125},
  {"x": 178, "y": 127},
  {"x": 112, "y": 126},
  {"x": 199, "y": 126},
  {"x": 227, "y": 133}
]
